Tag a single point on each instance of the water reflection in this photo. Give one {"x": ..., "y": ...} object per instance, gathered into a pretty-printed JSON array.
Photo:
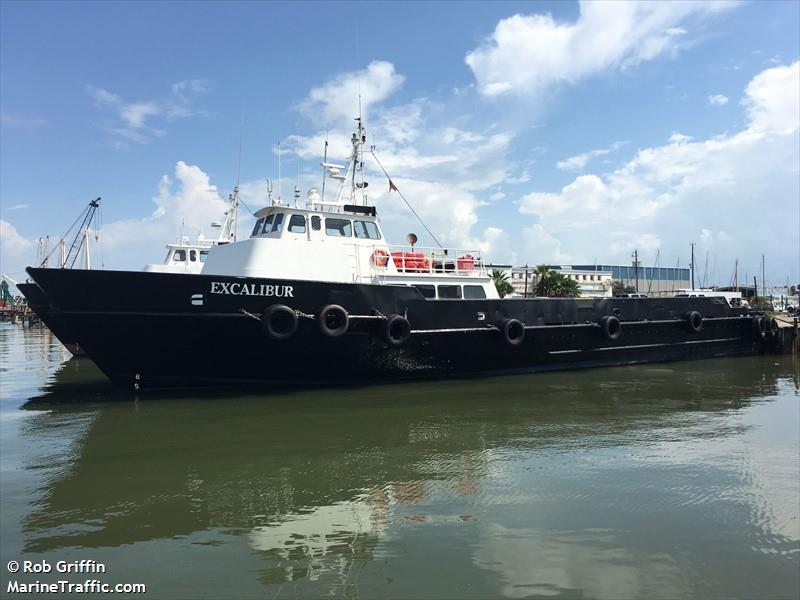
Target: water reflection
[{"x": 646, "y": 481}]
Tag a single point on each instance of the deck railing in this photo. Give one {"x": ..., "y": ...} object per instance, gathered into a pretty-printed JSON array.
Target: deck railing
[{"x": 414, "y": 260}]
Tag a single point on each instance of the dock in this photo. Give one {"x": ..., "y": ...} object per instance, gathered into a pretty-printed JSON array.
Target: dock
[
  {"x": 786, "y": 334},
  {"x": 18, "y": 311}
]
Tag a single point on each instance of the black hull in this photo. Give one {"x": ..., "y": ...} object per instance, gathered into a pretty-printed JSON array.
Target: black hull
[
  {"x": 40, "y": 304},
  {"x": 143, "y": 331}
]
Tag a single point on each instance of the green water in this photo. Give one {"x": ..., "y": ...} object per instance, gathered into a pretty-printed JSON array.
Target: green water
[{"x": 662, "y": 481}]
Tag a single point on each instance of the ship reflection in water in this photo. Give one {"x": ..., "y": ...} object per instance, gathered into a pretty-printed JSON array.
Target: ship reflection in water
[{"x": 655, "y": 481}]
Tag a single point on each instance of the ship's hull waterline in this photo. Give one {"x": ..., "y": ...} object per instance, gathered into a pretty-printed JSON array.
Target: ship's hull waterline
[{"x": 147, "y": 330}]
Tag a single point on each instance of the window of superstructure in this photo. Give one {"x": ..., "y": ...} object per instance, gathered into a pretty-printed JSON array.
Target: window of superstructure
[
  {"x": 297, "y": 224},
  {"x": 203, "y": 255},
  {"x": 179, "y": 256},
  {"x": 473, "y": 292},
  {"x": 449, "y": 292},
  {"x": 428, "y": 291},
  {"x": 257, "y": 228},
  {"x": 277, "y": 224},
  {"x": 338, "y": 227},
  {"x": 268, "y": 223},
  {"x": 193, "y": 255},
  {"x": 316, "y": 223},
  {"x": 366, "y": 229}
]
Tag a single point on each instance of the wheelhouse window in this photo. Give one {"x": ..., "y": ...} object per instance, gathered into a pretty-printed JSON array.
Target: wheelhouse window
[
  {"x": 474, "y": 292},
  {"x": 449, "y": 292},
  {"x": 316, "y": 223},
  {"x": 366, "y": 229},
  {"x": 179, "y": 256},
  {"x": 193, "y": 255},
  {"x": 203, "y": 255},
  {"x": 268, "y": 223},
  {"x": 257, "y": 228},
  {"x": 428, "y": 291},
  {"x": 338, "y": 227},
  {"x": 297, "y": 224},
  {"x": 277, "y": 224}
]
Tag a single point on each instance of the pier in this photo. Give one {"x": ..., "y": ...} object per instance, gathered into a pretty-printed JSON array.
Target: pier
[{"x": 17, "y": 311}]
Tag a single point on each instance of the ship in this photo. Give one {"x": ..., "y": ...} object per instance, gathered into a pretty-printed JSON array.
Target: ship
[
  {"x": 183, "y": 256},
  {"x": 316, "y": 295}
]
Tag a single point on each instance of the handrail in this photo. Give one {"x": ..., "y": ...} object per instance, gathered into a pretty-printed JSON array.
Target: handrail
[{"x": 415, "y": 260}]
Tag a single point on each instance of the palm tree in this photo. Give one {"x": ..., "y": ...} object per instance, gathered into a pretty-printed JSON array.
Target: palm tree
[
  {"x": 553, "y": 284},
  {"x": 542, "y": 273},
  {"x": 566, "y": 287},
  {"x": 501, "y": 282}
]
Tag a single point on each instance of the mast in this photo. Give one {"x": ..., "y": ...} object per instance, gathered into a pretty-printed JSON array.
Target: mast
[
  {"x": 324, "y": 168},
  {"x": 705, "y": 273},
  {"x": 235, "y": 207},
  {"x": 692, "y": 245},
  {"x": 87, "y": 263},
  {"x": 280, "y": 181}
]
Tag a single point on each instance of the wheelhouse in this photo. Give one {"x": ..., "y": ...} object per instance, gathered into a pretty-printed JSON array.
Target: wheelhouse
[{"x": 341, "y": 240}]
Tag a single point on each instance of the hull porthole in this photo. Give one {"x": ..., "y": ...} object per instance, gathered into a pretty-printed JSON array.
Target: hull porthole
[
  {"x": 611, "y": 327},
  {"x": 279, "y": 321},
  {"x": 694, "y": 321},
  {"x": 513, "y": 332},
  {"x": 396, "y": 330},
  {"x": 333, "y": 321}
]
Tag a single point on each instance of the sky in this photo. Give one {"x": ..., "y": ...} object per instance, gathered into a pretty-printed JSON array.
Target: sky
[{"x": 537, "y": 132}]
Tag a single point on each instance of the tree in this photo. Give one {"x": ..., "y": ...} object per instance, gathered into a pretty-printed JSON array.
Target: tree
[
  {"x": 618, "y": 288},
  {"x": 566, "y": 287},
  {"x": 501, "y": 283},
  {"x": 543, "y": 280},
  {"x": 553, "y": 284}
]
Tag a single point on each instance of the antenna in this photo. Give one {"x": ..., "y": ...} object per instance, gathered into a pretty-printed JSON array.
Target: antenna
[
  {"x": 324, "y": 160},
  {"x": 269, "y": 190},
  {"x": 280, "y": 181},
  {"x": 297, "y": 184}
]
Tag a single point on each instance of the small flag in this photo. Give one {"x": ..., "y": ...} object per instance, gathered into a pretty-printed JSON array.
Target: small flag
[{"x": 392, "y": 187}]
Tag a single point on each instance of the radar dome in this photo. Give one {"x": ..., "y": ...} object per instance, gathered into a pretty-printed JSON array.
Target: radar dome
[{"x": 313, "y": 195}]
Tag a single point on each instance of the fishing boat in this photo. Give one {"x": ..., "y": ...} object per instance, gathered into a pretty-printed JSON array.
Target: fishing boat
[{"x": 316, "y": 294}]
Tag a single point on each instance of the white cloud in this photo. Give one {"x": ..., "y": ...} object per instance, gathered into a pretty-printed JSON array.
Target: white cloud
[
  {"x": 679, "y": 138},
  {"x": 530, "y": 53},
  {"x": 187, "y": 208},
  {"x": 337, "y": 99},
  {"x": 17, "y": 207},
  {"x": 11, "y": 241},
  {"x": 134, "y": 119},
  {"x": 669, "y": 195},
  {"x": 579, "y": 161},
  {"x": 16, "y": 120},
  {"x": 773, "y": 99},
  {"x": 540, "y": 247},
  {"x": 444, "y": 170},
  {"x": 717, "y": 100}
]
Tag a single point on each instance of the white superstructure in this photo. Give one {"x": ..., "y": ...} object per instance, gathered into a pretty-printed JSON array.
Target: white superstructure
[
  {"x": 342, "y": 241},
  {"x": 185, "y": 256}
]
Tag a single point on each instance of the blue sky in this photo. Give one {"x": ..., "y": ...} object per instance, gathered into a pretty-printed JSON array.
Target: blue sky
[{"x": 538, "y": 132}]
